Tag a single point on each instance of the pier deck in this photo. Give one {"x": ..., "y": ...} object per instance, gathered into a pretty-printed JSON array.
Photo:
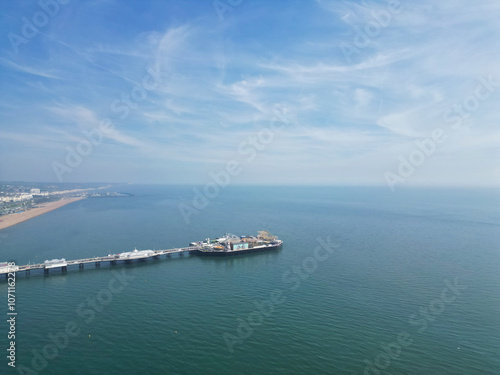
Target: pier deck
[{"x": 96, "y": 260}]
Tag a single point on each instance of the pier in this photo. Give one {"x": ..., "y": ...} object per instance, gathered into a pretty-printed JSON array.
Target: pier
[{"x": 111, "y": 258}]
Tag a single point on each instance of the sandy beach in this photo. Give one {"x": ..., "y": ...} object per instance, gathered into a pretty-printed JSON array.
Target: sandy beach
[{"x": 13, "y": 219}]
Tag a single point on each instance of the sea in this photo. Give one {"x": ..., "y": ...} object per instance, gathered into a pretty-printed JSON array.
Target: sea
[{"x": 368, "y": 281}]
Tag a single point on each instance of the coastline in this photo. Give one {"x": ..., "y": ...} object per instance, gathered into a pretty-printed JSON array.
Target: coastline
[{"x": 13, "y": 219}]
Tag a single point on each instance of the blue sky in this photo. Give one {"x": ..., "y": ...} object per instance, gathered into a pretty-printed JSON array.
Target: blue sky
[{"x": 347, "y": 117}]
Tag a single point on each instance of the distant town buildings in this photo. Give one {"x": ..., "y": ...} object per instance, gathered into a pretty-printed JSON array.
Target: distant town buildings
[
  {"x": 20, "y": 197},
  {"x": 17, "y": 198}
]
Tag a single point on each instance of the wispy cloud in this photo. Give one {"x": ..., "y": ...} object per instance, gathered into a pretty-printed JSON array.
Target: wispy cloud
[{"x": 35, "y": 71}]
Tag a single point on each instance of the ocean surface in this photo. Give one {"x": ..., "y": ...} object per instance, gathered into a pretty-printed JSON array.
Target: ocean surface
[{"x": 407, "y": 283}]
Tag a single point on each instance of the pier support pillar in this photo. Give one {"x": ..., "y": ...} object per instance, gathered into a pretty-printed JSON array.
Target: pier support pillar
[
  {"x": 80, "y": 266},
  {"x": 97, "y": 264},
  {"x": 64, "y": 269},
  {"x": 46, "y": 271},
  {"x": 27, "y": 272}
]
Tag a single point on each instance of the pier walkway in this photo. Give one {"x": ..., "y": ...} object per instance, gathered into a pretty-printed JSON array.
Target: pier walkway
[{"x": 111, "y": 258}]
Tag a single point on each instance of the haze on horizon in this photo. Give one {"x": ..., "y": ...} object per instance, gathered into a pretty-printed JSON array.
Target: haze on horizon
[{"x": 338, "y": 92}]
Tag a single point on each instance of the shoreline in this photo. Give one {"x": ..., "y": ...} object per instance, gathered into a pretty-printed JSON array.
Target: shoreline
[{"x": 13, "y": 219}]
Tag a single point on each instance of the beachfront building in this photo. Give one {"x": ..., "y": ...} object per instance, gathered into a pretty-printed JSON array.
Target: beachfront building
[
  {"x": 16, "y": 198},
  {"x": 40, "y": 193}
]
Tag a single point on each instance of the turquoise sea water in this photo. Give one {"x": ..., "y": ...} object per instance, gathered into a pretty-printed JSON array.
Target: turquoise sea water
[{"x": 394, "y": 255}]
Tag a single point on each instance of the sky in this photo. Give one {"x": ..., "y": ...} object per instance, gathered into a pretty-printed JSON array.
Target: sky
[{"x": 395, "y": 93}]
